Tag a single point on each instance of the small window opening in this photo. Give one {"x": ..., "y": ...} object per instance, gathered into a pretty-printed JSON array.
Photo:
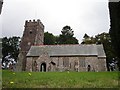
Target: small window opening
[{"x": 30, "y": 31}]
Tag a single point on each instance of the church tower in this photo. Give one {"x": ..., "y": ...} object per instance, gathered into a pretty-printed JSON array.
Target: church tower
[{"x": 33, "y": 35}]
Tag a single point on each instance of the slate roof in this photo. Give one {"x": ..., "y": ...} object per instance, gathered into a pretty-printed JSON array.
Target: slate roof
[{"x": 67, "y": 50}]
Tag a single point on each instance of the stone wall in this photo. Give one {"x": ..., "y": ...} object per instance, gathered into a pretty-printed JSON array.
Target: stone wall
[
  {"x": 29, "y": 64},
  {"x": 67, "y": 63},
  {"x": 102, "y": 64},
  {"x": 33, "y": 35}
]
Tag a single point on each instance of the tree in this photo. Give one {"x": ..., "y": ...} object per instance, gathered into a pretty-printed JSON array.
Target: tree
[
  {"x": 114, "y": 8},
  {"x": 8, "y": 60},
  {"x": 88, "y": 40},
  {"x": 86, "y": 36},
  {"x": 10, "y": 47},
  {"x": 67, "y": 36},
  {"x": 49, "y": 38}
]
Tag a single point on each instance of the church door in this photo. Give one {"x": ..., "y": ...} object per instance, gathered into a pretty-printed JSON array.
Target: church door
[
  {"x": 89, "y": 68},
  {"x": 43, "y": 67}
]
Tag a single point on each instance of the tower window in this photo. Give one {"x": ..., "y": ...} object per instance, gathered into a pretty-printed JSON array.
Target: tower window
[{"x": 30, "y": 31}]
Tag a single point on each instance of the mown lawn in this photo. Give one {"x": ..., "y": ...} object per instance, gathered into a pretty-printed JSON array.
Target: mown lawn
[{"x": 59, "y": 79}]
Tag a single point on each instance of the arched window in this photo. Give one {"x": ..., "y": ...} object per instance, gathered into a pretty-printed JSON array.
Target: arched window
[
  {"x": 66, "y": 62},
  {"x": 82, "y": 63},
  {"x": 35, "y": 66},
  {"x": 30, "y": 31},
  {"x": 76, "y": 66}
]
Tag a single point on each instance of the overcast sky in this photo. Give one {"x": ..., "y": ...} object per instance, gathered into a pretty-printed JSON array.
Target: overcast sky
[{"x": 84, "y": 16}]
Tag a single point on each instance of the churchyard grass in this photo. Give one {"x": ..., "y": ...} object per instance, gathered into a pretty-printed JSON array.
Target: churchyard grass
[{"x": 59, "y": 79}]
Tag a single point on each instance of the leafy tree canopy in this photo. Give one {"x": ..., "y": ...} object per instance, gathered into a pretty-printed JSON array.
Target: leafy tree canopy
[
  {"x": 66, "y": 36},
  {"x": 49, "y": 38},
  {"x": 10, "y": 46}
]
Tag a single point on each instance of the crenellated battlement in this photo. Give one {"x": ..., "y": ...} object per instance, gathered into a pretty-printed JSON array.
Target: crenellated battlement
[
  {"x": 29, "y": 21},
  {"x": 34, "y": 23}
]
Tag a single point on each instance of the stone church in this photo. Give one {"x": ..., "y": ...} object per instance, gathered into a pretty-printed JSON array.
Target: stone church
[{"x": 34, "y": 56}]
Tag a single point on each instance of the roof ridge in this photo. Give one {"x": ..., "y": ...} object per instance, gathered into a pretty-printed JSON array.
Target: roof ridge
[{"x": 65, "y": 45}]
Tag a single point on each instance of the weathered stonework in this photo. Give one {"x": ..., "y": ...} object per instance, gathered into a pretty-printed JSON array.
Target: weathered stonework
[
  {"x": 33, "y": 35},
  {"x": 73, "y": 64}
]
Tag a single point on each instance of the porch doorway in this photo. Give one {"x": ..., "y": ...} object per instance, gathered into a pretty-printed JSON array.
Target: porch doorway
[{"x": 43, "y": 67}]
